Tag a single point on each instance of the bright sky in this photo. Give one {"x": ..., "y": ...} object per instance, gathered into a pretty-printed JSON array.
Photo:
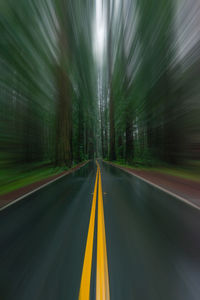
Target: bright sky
[
  {"x": 187, "y": 25},
  {"x": 99, "y": 32}
]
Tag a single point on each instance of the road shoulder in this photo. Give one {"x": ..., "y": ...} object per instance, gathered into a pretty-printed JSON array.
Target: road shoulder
[
  {"x": 13, "y": 196},
  {"x": 179, "y": 187}
]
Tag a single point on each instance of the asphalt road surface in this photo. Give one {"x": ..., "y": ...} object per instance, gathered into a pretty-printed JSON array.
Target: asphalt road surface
[{"x": 100, "y": 233}]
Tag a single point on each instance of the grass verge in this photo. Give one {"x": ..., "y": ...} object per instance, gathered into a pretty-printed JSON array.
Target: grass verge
[
  {"x": 185, "y": 173},
  {"x": 12, "y": 179}
]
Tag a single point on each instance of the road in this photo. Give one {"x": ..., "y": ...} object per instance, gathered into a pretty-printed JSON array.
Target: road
[{"x": 122, "y": 240}]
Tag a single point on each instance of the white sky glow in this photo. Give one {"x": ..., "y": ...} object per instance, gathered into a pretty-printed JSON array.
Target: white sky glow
[{"x": 99, "y": 33}]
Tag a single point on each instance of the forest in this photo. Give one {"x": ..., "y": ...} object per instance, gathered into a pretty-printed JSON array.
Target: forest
[{"x": 117, "y": 80}]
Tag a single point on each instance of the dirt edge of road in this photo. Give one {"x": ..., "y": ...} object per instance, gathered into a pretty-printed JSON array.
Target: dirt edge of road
[
  {"x": 7, "y": 198},
  {"x": 184, "y": 188}
]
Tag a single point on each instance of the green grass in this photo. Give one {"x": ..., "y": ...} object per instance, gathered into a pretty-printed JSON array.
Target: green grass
[
  {"x": 12, "y": 179},
  {"x": 182, "y": 172}
]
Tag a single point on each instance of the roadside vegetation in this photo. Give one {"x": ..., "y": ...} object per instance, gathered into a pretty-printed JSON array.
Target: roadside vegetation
[
  {"x": 151, "y": 120},
  {"x": 80, "y": 80},
  {"x": 191, "y": 173},
  {"x": 12, "y": 179},
  {"x": 48, "y": 106}
]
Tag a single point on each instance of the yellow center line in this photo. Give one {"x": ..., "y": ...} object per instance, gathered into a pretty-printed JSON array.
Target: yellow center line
[
  {"x": 102, "y": 278},
  {"x": 84, "y": 293}
]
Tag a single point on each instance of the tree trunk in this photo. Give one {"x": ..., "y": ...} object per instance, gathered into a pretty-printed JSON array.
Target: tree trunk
[
  {"x": 129, "y": 142},
  {"x": 102, "y": 128},
  {"x": 112, "y": 155},
  {"x": 80, "y": 146},
  {"x": 64, "y": 121}
]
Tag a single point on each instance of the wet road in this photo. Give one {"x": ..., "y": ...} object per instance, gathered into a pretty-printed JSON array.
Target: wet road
[{"x": 152, "y": 240}]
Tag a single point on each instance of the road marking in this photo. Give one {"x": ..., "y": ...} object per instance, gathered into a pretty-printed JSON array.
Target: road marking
[
  {"x": 37, "y": 189},
  {"x": 102, "y": 278},
  {"x": 84, "y": 293},
  {"x": 160, "y": 188}
]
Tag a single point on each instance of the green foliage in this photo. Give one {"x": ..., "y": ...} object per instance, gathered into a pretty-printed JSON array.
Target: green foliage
[{"x": 47, "y": 95}]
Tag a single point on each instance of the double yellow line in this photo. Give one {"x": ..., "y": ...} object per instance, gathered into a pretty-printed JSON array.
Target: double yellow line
[{"x": 102, "y": 278}]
